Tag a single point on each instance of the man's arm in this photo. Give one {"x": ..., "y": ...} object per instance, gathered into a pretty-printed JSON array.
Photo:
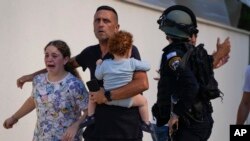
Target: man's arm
[
  {"x": 136, "y": 86},
  {"x": 28, "y": 78},
  {"x": 244, "y": 108},
  {"x": 26, "y": 108},
  {"x": 73, "y": 129}
]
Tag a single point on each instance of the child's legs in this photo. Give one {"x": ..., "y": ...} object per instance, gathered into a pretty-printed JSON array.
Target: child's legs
[
  {"x": 91, "y": 107},
  {"x": 142, "y": 103}
]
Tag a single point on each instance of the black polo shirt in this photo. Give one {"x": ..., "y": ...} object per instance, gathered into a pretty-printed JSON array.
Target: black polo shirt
[{"x": 112, "y": 122}]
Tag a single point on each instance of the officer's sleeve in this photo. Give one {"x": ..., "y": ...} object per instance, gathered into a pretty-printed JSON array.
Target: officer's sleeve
[
  {"x": 184, "y": 83},
  {"x": 173, "y": 61}
]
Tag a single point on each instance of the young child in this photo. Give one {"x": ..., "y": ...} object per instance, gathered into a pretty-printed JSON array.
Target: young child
[{"x": 118, "y": 72}]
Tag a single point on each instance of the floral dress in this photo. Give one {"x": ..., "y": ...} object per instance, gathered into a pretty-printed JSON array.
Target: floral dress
[{"x": 58, "y": 105}]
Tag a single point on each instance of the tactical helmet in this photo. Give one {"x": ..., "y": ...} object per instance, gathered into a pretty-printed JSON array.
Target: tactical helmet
[{"x": 178, "y": 22}]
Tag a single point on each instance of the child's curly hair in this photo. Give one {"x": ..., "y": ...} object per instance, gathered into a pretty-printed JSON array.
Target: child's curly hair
[{"x": 120, "y": 43}]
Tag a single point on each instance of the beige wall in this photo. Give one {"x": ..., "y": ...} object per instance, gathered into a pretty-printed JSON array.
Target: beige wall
[{"x": 26, "y": 26}]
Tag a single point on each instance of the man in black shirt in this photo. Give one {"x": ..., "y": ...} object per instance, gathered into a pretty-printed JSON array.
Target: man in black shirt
[{"x": 113, "y": 123}]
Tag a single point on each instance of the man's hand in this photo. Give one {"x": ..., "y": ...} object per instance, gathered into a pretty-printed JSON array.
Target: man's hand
[
  {"x": 26, "y": 78},
  {"x": 223, "y": 48},
  {"x": 221, "y": 55},
  {"x": 222, "y": 61},
  {"x": 98, "y": 96},
  {"x": 98, "y": 62}
]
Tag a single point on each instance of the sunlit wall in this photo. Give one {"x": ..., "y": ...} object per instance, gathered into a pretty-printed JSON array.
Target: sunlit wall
[{"x": 26, "y": 26}]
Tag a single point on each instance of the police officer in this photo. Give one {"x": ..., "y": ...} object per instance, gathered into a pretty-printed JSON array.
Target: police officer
[{"x": 178, "y": 103}]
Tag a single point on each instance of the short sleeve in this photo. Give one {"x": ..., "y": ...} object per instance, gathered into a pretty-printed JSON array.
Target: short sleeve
[
  {"x": 80, "y": 94},
  {"x": 36, "y": 82},
  {"x": 246, "y": 86},
  {"x": 140, "y": 65},
  {"x": 135, "y": 53},
  {"x": 33, "y": 87},
  {"x": 80, "y": 59}
]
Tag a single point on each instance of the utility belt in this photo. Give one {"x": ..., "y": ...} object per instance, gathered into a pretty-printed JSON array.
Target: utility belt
[{"x": 197, "y": 113}]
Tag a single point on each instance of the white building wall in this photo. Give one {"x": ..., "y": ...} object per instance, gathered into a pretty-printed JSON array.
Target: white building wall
[{"x": 26, "y": 26}]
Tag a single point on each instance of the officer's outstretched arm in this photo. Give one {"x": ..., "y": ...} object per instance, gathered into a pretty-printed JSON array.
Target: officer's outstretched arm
[{"x": 221, "y": 55}]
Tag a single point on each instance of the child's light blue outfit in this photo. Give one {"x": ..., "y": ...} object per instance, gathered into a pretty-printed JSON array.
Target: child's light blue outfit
[{"x": 119, "y": 73}]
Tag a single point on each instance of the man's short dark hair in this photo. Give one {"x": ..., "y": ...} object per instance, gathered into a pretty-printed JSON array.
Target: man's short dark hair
[{"x": 105, "y": 7}]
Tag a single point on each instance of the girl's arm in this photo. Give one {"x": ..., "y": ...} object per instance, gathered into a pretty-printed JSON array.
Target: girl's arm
[
  {"x": 73, "y": 129},
  {"x": 26, "y": 108}
]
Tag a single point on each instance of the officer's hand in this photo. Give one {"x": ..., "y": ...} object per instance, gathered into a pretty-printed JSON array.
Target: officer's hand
[
  {"x": 223, "y": 49},
  {"x": 221, "y": 55},
  {"x": 222, "y": 61},
  {"x": 173, "y": 124}
]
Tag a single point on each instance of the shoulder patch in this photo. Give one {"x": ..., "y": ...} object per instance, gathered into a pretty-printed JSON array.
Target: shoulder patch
[
  {"x": 171, "y": 54},
  {"x": 174, "y": 62}
]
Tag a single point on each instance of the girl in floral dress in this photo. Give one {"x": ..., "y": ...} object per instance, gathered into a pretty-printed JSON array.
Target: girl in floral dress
[{"x": 59, "y": 96}]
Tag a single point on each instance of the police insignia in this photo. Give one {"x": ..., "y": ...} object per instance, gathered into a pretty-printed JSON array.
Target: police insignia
[
  {"x": 174, "y": 63},
  {"x": 170, "y": 55}
]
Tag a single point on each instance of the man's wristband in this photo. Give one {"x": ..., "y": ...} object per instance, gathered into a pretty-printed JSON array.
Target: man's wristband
[{"x": 108, "y": 95}]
